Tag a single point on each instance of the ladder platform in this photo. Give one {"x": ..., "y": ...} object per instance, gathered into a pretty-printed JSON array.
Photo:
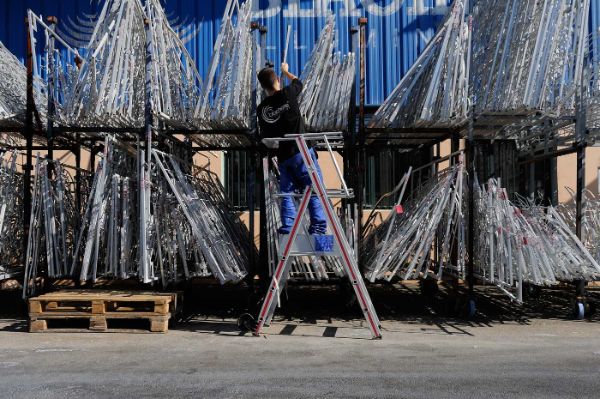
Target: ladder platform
[
  {"x": 310, "y": 245},
  {"x": 331, "y": 193},
  {"x": 97, "y": 307}
]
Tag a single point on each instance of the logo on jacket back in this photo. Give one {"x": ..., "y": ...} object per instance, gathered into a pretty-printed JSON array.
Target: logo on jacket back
[{"x": 271, "y": 115}]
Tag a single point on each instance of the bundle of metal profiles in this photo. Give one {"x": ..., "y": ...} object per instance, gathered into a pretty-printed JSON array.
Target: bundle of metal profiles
[
  {"x": 591, "y": 88},
  {"x": 53, "y": 223},
  {"x": 309, "y": 268},
  {"x": 402, "y": 245},
  {"x": 109, "y": 87},
  {"x": 525, "y": 244},
  {"x": 226, "y": 101},
  {"x": 106, "y": 242},
  {"x": 328, "y": 79},
  {"x": 210, "y": 229},
  {"x": 191, "y": 232},
  {"x": 11, "y": 212},
  {"x": 185, "y": 224},
  {"x": 528, "y": 55},
  {"x": 132, "y": 44},
  {"x": 434, "y": 91},
  {"x": 540, "y": 132},
  {"x": 176, "y": 82},
  {"x": 13, "y": 84},
  {"x": 223, "y": 214},
  {"x": 590, "y": 221}
]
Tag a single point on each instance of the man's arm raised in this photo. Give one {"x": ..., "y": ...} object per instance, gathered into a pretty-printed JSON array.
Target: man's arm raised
[{"x": 285, "y": 70}]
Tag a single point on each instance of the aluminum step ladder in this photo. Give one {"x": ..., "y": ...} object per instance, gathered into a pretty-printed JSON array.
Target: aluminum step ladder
[{"x": 296, "y": 244}]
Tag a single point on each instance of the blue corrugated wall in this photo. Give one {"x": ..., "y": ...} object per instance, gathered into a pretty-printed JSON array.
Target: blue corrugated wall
[{"x": 397, "y": 32}]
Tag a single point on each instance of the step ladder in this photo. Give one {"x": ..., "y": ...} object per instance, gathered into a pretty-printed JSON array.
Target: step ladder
[{"x": 336, "y": 244}]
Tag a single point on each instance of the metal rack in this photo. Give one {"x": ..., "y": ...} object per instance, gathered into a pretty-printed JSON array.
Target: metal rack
[{"x": 50, "y": 137}]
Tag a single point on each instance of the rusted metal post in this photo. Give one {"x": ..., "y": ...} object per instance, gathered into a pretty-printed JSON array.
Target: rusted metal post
[{"x": 28, "y": 132}]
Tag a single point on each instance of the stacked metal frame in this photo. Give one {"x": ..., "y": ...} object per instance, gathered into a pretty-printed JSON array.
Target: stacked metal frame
[
  {"x": 144, "y": 216},
  {"x": 109, "y": 88},
  {"x": 328, "y": 79},
  {"x": 523, "y": 244},
  {"x": 11, "y": 216},
  {"x": 176, "y": 82},
  {"x": 434, "y": 92},
  {"x": 53, "y": 224},
  {"x": 209, "y": 187},
  {"x": 403, "y": 245},
  {"x": 590, "y": 95},
  {"x": 133, "y": 44},
  {"x": 590, "y": 221},
  {"x": 105, "y": 243},
  {"x": 13, "y": 91},
  {"x": 212, "y": 235},
  {"x": 226, "y": 102},
  {"x": 528, "y": 55},
  {"x": 192, "y": 230}
]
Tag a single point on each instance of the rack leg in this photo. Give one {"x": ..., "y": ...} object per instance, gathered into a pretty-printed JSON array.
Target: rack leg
[{"x": 581, "y": 307}]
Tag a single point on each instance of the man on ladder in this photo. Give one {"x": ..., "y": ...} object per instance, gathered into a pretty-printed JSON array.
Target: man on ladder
[
  {"x": 281, "y": 123},
  {"x": 278, "y": 115}
]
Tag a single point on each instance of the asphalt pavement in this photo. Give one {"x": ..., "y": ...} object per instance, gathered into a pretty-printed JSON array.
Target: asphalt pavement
[{"x": 423, "y": 354}]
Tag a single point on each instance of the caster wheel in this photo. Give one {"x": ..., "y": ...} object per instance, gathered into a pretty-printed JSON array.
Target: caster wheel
[
  {"x": 471, "y": 308},
  {"x": 579, "y": 311},
  {"x": 246, "y": 323}
]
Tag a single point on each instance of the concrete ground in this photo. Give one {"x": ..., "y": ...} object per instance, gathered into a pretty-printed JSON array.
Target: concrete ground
[{"x": 504, "y": 352}]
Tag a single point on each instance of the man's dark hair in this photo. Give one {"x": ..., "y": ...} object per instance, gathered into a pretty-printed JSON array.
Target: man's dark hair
[{"x": 267, "y": 78}]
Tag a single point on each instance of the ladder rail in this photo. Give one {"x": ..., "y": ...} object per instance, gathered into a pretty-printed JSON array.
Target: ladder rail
[
  {"x": 284, "y": 262},
  {"x": 349, "y": 260}
]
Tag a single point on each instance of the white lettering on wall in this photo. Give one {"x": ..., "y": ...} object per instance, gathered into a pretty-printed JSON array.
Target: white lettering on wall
[
  {"x": 273, "y": 9},
  {"x": 374, "y": 8},
  {"x": 346, "y": 8},
  {"x": 295, "y": 11}
]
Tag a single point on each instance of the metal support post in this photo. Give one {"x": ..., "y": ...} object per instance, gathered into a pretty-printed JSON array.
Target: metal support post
[
  {"x": 145, "y": 160},
  {"x": 454, "y": 143},
  {"x": 581, "y": 143},
  {"x": 471, "y": 239},
  {"x": 52, "y": 21},
  {"x": 361, "y": 162},
  {"x": 553, "y": 176},
  {"x": 28, "y": 167},
  {"x": 350, "y": 167},
  {"x": 250, "y": 192},
  {"x": 581, "y": 146},
  {"x": 78, "y": 177},
  {"x": 531, "y": 185}
]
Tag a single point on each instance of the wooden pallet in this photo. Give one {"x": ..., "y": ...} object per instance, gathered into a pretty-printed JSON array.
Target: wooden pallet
[{"x": 98, "y": 307}]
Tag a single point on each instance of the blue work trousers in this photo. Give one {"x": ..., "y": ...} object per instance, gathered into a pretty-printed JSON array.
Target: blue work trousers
[{"x": 293, "y": 176}]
